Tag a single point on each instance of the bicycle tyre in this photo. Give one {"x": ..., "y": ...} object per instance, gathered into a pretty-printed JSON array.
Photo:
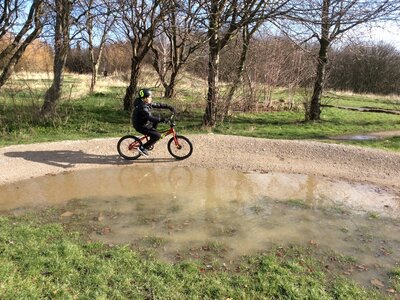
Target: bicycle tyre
[
  {"x": 127, "y": 147},
  {"x": 185, "y": 150}
]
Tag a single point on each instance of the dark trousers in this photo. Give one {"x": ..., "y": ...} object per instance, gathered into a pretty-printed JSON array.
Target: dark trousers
[{"x": 152, "y": 133}]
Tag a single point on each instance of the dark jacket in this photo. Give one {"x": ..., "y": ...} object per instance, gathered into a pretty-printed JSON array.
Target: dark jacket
[{"x": 142, "y": 116}]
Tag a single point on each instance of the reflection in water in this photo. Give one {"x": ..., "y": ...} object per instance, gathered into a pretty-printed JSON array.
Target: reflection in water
[
  {"x": 245, "y": 212},
  {"x": 200, "y": 187}
]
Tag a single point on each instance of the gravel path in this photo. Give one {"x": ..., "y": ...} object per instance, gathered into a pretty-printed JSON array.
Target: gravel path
[{"x": 211, "y": 151}]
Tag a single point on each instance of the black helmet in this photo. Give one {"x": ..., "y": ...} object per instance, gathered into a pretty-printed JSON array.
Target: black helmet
[{"x": 144, "y": 93}]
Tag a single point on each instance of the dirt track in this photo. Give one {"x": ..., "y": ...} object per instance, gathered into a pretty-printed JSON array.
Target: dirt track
[{"x": 211, "y": 151}]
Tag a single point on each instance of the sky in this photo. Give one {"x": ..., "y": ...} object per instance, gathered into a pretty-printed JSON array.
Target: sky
[{"x": 388, "y": 32}]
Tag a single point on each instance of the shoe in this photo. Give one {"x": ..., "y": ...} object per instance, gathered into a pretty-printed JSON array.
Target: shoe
[{"x": 143, "y": 151}]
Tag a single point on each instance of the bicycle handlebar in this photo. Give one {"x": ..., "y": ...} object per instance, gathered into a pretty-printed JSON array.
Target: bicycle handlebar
[{"x": 171, "y": 119}]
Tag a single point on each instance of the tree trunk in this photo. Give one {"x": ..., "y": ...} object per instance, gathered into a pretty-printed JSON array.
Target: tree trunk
[
  {"x": 159, "y": 65},
  {"x": 170, "y": 88},
  {"x": 94, "y": 60},
  {"x": 133, "y": 84},
  {"x": 53, "y": 94},
  {"x": 239, "y": 73},
  {"x": 314, "y": 112},
  {"x": 93, "y": 80},
  {"x": 169, "y": 91},
  {"x": 61, "y": 44},
  {"x": 209, "y": 118}
]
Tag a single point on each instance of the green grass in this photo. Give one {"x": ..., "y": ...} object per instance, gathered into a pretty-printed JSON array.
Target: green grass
[
  {"x": 101, "y": 115},
  {"x": 43, "y": 261},
  {"x": 88, "y": 117},
  {"x": 355, "y": 100},
  {"x": 335, "y": 122},
  {"x": 291, "y": 125},
  {"x": 395, "y": 276},
  {"x": 391, "y": 144}
]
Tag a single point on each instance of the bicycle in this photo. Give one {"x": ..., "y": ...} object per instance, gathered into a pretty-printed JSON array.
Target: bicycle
[{"x": 178, "y": 146}]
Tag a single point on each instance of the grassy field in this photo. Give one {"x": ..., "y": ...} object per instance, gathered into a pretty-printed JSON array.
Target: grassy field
[
  {"x": 83, "y": 116},
  {"x": 45, "y": 260}
]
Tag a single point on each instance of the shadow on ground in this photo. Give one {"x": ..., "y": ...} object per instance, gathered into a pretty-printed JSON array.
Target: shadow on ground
[{"x": 68, "y": 159}]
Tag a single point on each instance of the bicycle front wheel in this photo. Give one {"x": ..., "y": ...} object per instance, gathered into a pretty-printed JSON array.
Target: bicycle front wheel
[
  {"x": 181, "y": 148},
  {"x": 127, "y": 147}
]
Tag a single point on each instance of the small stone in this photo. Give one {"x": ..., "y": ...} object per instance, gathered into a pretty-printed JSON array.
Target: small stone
[
  {"x": 98, "y": 218},
  {"x": 346, "y": 273},
  {"x": 106, "y": 230},
  {"x": 377, "y": 283},
  {"x": 67, "y": 214},
  {"x": 361, "y": 267}
]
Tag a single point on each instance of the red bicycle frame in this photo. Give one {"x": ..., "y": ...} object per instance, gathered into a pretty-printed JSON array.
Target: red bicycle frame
[{"x": 164, "y": 133}]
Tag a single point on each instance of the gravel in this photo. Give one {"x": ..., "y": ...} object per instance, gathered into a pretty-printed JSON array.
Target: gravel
[{"x": 349, "y": 163}]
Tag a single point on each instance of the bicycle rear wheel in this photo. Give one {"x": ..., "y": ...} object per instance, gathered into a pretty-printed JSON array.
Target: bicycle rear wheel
[
  {"x": 182, "y": 149},
  {"x": 127, "y": 147}
]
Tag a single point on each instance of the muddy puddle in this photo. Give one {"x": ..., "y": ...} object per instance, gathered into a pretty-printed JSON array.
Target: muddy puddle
[
  {"x": 368, "y": 136},
  {"x": 356, "y": 137},
  {"x": 181, "y": 209}
]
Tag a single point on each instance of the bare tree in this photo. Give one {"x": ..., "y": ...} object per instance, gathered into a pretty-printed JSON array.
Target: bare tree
[
  {"x": 11, "y": 12},
  {"x": 64, "y": 21},
  {"x": 62, "y": 27},
  {"x": 139, "y": 22},
  {"x": 278, "y": 62},
  {"x": 327, "y": 21},
  {"x": 180, "y": 37},
  {"x": 99, "y": 20},
  {"x": 248, "y": 31},
  {"x": 224, "y": 19},
  {"x": 366, "y": 68},
  {"x": 117, "y": 57}
]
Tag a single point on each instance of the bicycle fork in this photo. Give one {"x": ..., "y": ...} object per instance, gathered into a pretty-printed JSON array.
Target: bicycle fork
[{"x": 178, "y": 146}]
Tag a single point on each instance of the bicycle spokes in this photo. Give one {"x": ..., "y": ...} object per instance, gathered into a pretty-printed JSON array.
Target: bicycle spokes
[
  {"x": 180, "y": 147},
  {"x": 176, "y": 142},
  {"x": 127, "y": 147},
  {"x": 133, "y": 146}
]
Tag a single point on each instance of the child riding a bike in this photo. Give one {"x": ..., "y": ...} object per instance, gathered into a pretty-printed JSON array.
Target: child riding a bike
[
  {"x": 131, "y": 147},
  {"x": 145, "y": 122}
]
